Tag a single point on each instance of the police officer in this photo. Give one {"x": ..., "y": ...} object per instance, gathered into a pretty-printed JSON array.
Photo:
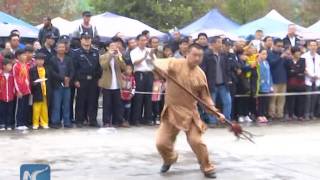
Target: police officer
[{"x": 87, "y": 73}]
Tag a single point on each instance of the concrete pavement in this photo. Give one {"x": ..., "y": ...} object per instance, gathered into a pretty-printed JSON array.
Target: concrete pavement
[{"x": 284, "y": 151}]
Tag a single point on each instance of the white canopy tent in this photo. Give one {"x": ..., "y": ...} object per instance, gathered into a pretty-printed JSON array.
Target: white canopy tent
[
  {"x": 273, "y": 24},
  {"x": 315, "y": 27},
  {"x": 109, "y": 24}
]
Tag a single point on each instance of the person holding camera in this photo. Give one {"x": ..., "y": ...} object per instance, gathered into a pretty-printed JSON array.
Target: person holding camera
[
  {"x": 277, "y": 59},
  {"x": 112, "y": 65}
]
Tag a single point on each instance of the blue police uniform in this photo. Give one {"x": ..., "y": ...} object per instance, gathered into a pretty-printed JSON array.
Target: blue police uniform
[{"x": 87, "y": 72}]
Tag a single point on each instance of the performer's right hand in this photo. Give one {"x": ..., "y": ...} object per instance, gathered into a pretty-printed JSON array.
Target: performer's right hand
[{"x": 221, "y": 118}]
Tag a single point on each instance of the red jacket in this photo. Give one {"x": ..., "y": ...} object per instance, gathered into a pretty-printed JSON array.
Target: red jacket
[
  {"x": 157, "y": 89},
  {"x": 21, "y": 78},
  {"x": 129, "y": 84},
  {"x": 7, "y": 92}
]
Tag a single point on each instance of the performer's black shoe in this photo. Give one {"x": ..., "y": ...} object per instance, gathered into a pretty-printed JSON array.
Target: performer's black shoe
[
  {"x": 165, "y": 168},
  {"x": 211, "y": 175}
]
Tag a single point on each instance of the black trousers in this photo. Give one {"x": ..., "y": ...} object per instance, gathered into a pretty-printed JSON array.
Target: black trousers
[
  {"x": 22, "y": 112},
  {"x": 296, "y": 104},
  {"x": 233, "y": 91},
  {"x": 112, "y": 107},
  {"x": 156, "y": 109},
  {"x": 142, "y": 102},
  {"x": 243, "y": 106},
  {"x": 6, "y": 114},
  {"x": 87, "y": 102},
  {"x": 72, "y": 90},
  {"x": 30, "y": 112},
  {"x": 126, "y": 108},
  {"x": 162, "y": 102},
  {"x": 263, "y": 105}
]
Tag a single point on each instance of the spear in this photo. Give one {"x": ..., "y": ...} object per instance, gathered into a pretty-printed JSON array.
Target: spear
[{"x": 233, "y": 126}]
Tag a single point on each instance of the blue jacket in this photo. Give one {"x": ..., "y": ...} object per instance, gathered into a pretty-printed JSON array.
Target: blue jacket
[
  {"x": 277, "y": 67},
  {"x": 265, "y": 78}
]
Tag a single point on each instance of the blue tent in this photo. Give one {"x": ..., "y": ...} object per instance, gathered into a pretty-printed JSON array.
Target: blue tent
[
  {"x": 212, "y": 20},
  {"x": 26, "y": 32},
  {"x": 7, "y": 19},
  {"x": 272, "y": 24}
]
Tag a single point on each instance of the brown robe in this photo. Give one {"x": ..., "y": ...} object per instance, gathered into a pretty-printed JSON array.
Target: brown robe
[
  {"x": 181, "y": 113},
  {"x": 180, "y": 108}
]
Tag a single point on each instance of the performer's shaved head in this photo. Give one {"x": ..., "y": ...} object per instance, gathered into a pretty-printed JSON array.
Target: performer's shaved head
[
  {"x": 195, "y": 55},
  {"x": 195, "y": 45}
]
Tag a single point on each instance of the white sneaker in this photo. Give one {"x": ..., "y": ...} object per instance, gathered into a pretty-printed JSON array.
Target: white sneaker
[
  {"x": 248, "y": 119},
  {"x": 9, "y": 129},
  {"x": 241, "y": 119},
  {"x": 22, "y": 128},
  {"x": 45, "y": 127},
  {"x": 35, "y": 127},
  {"x": 2, "y": 129}
]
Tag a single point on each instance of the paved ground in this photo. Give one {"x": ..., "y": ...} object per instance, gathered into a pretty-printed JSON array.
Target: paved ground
[{"x": 284, "y": 152}]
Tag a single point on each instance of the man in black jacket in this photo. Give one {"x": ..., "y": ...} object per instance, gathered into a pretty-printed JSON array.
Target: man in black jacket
[
  {"x": 62, "y": 72},
  {"x": 47, "y": 28},
  {"x": 234, "y": 64},
  {"x": 291, "y": 40},
  {"x": 48, "y": 48},
  {"x": 217, "y": 69},
  {"x": 70, "y": 53}
]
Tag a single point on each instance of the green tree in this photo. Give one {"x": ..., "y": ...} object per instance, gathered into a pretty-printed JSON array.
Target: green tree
[
  {"x": 309, "y": 12},
  {"x": 243, "y": 11},
  {"x": 160, "y": 14},
  {"x": 34, "y": 10}
]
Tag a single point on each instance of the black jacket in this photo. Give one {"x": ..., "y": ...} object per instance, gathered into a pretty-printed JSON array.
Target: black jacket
[
  {"x": 56, "y": 78},
  {"x": 46, "y": 30},
  {"x": 36, "y": 87},
  {"x": 287, "y": 42},
  {"x": 48, "y": 54},
  {"x": 296, "y": 74},
  {"x": 234, "y": 64},
  {"x": 209, "y": 67},
  {"x": 86, "y": 63}
]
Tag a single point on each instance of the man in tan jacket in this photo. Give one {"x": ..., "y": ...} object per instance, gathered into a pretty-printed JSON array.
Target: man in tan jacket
[
  {"x": 112, "y": 66},
  {"x": 180, "y": 111}
]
